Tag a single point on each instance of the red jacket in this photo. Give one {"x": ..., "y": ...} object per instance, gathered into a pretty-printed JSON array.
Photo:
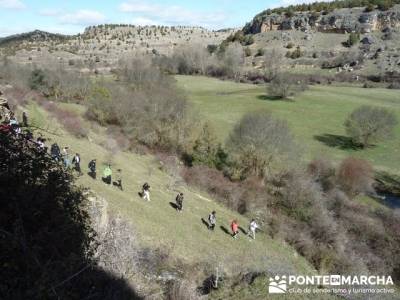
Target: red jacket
[{"x": 234, "y": 226}]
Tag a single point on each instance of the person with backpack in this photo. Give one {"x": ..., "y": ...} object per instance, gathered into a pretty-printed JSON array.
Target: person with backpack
[
  {"x": 212, "y": 220},
  {"x": 118, "y": 180},
  {"x": 55, "y": 152},
  {"x": 146, "y": 192},
  {"x": 235, "y": 229},
  {"x": 65, "y": 157},
  {"x": 24, "y": 119},
  {"x": 107, "y": 173},
  {"x": 252, "y": 229},
  {"x": 76, "y": 160},
  {"x": 92, "y": 168},
  {"x": 179, "y": 202}
]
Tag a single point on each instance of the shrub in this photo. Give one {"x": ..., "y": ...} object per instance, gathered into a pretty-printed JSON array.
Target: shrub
[
  {"x": 295, "y": 54},
  {"x": 368, "y": 124},
  {"x": 370, "y": 7},
  {"x": 260, "y": 52},
  {"x": 37, "y": 80},
  {"x": 353, "y": 39},
  {"x": 290, "y": 45},
  {"x": 355, "y": 176},
  {"x": 247, "y": 51},
  {"x": 284, "y": 86},
  {"x": 212, "y": 48},
  {"x": 323, "y": 172}
]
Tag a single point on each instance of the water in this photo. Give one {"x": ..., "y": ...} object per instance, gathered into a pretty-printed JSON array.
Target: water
[{"x": 390, "y": 200}]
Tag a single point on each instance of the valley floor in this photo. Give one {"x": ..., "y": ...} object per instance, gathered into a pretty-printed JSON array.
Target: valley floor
[{"x": 315, "y": 117}]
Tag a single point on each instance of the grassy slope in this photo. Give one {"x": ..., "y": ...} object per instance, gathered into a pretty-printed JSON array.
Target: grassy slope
[
  {"x": 160, "y": 226},
  {"x": 320, "y": 110}
]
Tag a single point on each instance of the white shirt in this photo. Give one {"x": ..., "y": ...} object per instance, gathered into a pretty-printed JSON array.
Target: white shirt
[{"x": 253, "y": 226}]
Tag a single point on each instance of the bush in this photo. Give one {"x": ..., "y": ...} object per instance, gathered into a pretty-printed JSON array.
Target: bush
[
  {"x": 370, "y": 7},
  {"x": 323, "y": 172},
  {"x": 260, "y": 52},
  {"x": 37, "y": 80},
  {"x": 368, "y": 124},
  {"x": 295, "y": 54},
  {"x": 247, "y": 51},
  {"x": 352, "y": 40},
  {"x": 290, "y": 45},
  {"x": 283, "y": 86},
  {"x": 355, "y": 176}
]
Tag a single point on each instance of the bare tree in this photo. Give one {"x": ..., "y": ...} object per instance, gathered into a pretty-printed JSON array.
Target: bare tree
[
  {"x": 234, "y": 59},
  {"x": 355, "y": 176},
  {"x": 273, "y": 62},
  {"x": 259, "y": 140},
  {"x": 368, "y": 124}
]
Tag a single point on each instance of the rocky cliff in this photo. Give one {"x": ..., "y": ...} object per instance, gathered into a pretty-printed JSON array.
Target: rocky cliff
[{"x": 338, "y": 21}]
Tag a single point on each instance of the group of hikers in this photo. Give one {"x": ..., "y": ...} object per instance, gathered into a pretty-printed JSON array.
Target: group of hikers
[{"x": 10, "y": 124}]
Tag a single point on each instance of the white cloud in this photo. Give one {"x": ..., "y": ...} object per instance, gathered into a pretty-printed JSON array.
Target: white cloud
[
  {"x": 144, "y": 21},
  {"x": 12, "y": 4},
  {"x": 83, "y": 17},
  {"x": 172, "y": 14}
]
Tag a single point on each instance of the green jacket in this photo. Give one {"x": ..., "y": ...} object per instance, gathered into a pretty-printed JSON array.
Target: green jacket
[{"x": 107, "y": 172}]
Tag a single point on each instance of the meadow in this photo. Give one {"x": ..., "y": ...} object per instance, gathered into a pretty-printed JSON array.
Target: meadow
[{"x": 316, "y": 117}]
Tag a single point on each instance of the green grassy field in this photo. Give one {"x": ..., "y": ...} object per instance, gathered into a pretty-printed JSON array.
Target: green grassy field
[
  {"x": 157, "y": 224},
  {"x": 316, "y": 117}
]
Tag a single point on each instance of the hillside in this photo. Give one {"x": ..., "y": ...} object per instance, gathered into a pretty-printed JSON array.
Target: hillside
[
  {"x": 343, "y": 20},
  {"x": 313, "y": 39},
  {"x": 100, "y": 47},
  {"x": 158, "y": 226}
]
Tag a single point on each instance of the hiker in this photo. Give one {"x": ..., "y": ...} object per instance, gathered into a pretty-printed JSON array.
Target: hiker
[
  {"x": 212, "y": 220},
  {"x": 29, "y": 136},
  {"x": 24, "y": 119},
  {"x": 252, "y": 229},
  {"x": 146, "y": 191},
  {"x": 16, "y": 129},
  {"x": 40, "y": 142},
  {"x": 92, "y": 168},
  {"x": 65, "y": 156},
  {"x": 235, "y": 229},
  {"x": 118, "y": 179},
  {"x": 13, "y": 121},
  {"x": 55, "y": 152},
  {"x": 107, "y": 173},
  {"x": 76, "y": 160},
  {"x": 179, "y": 202}
]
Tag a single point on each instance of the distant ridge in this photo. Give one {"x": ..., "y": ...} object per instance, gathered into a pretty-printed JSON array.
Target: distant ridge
[{"x": 33, "y": 36}]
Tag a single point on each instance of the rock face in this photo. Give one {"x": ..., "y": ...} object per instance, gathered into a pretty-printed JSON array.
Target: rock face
[{"x": 338, "y": 21}]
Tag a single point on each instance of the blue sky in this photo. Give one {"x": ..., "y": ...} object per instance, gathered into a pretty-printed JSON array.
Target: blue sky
[{"x": 72, "y": 16}]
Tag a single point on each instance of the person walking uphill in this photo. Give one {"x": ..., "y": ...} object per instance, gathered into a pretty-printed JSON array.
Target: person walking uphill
[
  {"x": 55, "y": 152},
  {"x": 179, "y": 202},
  {"x": 235, "y": 229},
  {"x": 65, "y": 157},
  {"x": 76, "y": 160},
  {"x": 252, "y": 229},
  {"x": 212, "y": 220},
  {"x": 92, "y": 168},
  {"x": 107, "y": 173},
  {"x": 118, "y": 179},
  {"x": 146, "y": 192}
]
